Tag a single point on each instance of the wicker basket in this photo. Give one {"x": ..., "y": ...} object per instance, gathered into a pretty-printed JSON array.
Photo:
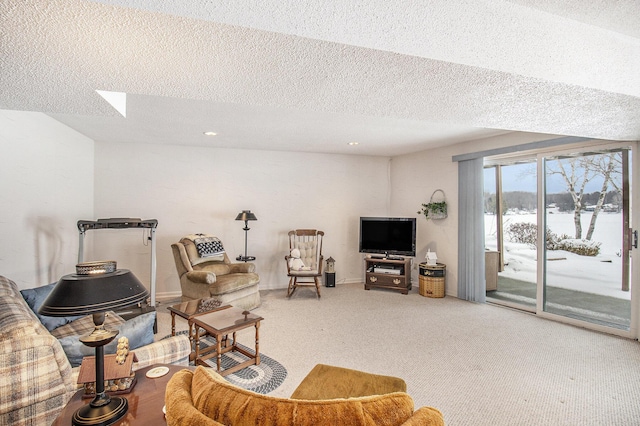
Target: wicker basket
[{"x": 431, "y": 287}]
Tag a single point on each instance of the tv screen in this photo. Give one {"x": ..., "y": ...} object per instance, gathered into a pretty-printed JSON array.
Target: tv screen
[{"x": 388, "y": 235}]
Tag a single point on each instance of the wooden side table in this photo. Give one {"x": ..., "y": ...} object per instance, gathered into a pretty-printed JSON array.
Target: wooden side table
[
  {"x": 189, "y": 309},
  {"x": 220, "y": 323},
  {"x": 145, "y": 400}
]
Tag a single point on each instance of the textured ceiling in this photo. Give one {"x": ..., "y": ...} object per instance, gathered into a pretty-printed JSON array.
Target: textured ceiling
[{"x": 313, "y": 75}]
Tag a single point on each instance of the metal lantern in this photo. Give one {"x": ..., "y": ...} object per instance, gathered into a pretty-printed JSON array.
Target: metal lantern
[{"x": 331, "y": 265}]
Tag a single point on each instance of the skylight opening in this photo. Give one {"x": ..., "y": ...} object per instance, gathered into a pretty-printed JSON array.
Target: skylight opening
[{"x": 118, "y": 100}]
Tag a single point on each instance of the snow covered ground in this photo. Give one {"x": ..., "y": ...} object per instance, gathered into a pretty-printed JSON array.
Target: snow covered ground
[{"x": 601, "y": 274}]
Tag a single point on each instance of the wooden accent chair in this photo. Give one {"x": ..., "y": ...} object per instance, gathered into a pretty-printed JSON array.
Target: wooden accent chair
[{"x": 309, "y": 242}]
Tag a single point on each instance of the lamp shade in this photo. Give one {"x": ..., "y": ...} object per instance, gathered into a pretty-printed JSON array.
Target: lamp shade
[
  {"x": 77, "y": 294},
  {"x": 246, "y": 215}
]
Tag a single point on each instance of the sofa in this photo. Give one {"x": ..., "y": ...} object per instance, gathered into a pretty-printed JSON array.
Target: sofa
[
  {"x": 36, "y": 377},
  {"x": 216, "y": 277},
  {"x": 327, "y": 396}
]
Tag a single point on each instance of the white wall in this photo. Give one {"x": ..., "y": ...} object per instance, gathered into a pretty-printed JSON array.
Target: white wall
[
  {"x": 46, "y": 184},
  {"x": 195, "y": 189},
  {"x": 414, "y": 178}
]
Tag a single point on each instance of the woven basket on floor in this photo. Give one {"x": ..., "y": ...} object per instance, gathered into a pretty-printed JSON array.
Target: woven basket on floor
[{"x": 431, "y": 287}]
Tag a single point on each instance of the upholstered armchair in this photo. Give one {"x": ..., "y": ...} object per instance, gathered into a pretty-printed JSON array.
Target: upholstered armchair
[
  {"x": 215, "y": 277},
  {"x": 327, "y": 396}
]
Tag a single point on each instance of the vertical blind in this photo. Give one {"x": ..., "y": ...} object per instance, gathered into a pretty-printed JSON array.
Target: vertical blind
[
  {"x": 471, "y": 268},
  {"x": 471, "y": 277}
]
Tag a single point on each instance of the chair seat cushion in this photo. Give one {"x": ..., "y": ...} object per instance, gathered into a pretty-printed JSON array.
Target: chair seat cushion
[
  {"x": 218, "y": 268},
  {"x": 228, "y": 404},
  {"x": 230, "y": 283},
  {"x": 327, "y": 382},
  {"x": 312, "y": 273}
]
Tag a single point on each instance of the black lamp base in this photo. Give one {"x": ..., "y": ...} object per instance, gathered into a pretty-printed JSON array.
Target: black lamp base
[
  {"x": 246, "y": 258},
  {"x": 101, "y": 416}
]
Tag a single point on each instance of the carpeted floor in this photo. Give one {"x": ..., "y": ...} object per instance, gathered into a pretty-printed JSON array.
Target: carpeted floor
[
  {"x": 477, "y": 363},
  {"x": 263, "y": 378}
]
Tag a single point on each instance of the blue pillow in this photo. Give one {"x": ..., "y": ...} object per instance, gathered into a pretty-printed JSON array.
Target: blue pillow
[
  {"x": 35, "y": 297},
  {"x": 139, "y": 331}
]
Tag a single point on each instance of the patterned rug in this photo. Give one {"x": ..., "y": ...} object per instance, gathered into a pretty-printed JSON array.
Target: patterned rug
[{"x": 263, "y": 378}]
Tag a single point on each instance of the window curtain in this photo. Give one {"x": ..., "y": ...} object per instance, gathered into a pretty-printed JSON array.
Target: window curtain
[{"x": 471, "y": 277}]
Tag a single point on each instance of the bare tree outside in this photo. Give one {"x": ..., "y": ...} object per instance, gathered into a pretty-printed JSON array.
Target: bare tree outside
[
  {"x": 609, "y": 166},
  {"x": 578, "y": 172}
]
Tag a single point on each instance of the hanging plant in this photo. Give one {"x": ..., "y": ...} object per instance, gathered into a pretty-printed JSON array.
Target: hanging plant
[{"x": 435, "y": 209}]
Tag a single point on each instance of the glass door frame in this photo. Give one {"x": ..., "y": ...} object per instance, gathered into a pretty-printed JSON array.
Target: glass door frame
[
  {"x": 498, "y": 163},
  {"x": 634, "y": 224}
]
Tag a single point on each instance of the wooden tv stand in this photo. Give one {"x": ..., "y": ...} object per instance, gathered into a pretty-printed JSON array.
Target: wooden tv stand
[{"x": 398, "y": 278}]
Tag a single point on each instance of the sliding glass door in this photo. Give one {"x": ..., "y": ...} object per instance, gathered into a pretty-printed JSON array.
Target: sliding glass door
[
  {"x": 579, "y": 269},
  {"x": 510, "y": 232},
  {"x": 586, "y": 216}
]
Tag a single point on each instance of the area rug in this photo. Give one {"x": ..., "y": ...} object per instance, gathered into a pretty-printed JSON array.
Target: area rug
[{"x": 263, "y": 378}]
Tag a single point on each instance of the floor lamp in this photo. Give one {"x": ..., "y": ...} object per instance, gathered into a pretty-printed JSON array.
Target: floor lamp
[
  {"x": 96, "y": 287},
  {"x": 246, "y": 215}
]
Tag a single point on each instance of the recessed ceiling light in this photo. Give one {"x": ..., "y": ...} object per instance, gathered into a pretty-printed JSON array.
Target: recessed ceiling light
[
  {"x": 354, "y": 143},
  {"x": 210, "y": 133}
]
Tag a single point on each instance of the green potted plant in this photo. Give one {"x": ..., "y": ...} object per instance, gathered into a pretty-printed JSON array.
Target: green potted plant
[{"x": 434, "y": 209}]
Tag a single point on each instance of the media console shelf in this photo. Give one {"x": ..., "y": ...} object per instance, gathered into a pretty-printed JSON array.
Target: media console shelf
[{"x": 392, "y": 274}]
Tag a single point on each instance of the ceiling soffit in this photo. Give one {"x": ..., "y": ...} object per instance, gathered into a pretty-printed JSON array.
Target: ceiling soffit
[{"x": 501, "y": 65}]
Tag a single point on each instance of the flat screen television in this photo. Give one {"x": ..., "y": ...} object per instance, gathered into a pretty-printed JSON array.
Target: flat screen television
[{"x": 394, "y": 236}]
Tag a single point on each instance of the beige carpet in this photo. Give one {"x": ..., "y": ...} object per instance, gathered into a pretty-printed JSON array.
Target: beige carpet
[{"x": 479, "y": 364}]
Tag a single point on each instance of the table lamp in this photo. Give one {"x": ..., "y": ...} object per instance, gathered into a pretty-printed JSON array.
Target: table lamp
[
  {"x": 96, "y": 287},
  {"x": 246, "y": 215}
]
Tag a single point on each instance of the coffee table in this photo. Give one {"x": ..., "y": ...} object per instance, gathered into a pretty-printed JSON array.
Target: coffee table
[
  {"x": 188, "y": 309},
  {"x": 220, "y": 323}
]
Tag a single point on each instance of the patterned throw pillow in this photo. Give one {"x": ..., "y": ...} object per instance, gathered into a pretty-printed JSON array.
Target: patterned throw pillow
[{"x": 209, "y": 247}]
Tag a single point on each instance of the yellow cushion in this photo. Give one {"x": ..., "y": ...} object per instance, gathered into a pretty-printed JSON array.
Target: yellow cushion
[
  {"x": 227, "y": 404},
  {"x": 218, "y": 268},
  {"x": 327, "y": 382}
]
